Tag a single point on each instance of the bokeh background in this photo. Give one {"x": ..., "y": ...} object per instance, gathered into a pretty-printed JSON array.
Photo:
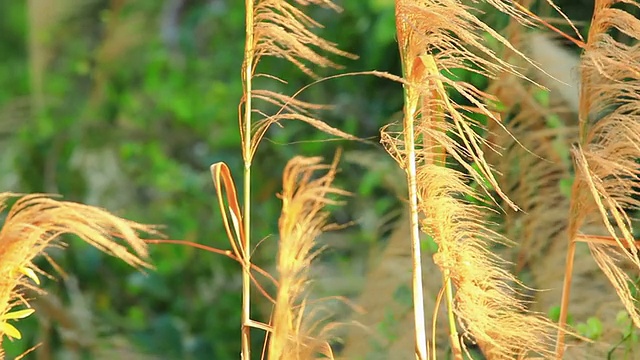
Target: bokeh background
[{"x": 125, "y": 104}]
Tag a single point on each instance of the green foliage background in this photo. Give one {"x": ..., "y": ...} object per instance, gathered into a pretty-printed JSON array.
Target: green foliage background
[{"x": 132, "y": 123}]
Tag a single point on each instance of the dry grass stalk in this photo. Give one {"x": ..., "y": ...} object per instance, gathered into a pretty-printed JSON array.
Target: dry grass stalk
[
  {"x": 281, "y": 29},
  {"x": 535, "y": 170},
  {"x": 296, "y": 333},
  {"x": 605, "y": 157},
  {"x": 436, "y": 36},
  {"x": 34, "y": 223}
]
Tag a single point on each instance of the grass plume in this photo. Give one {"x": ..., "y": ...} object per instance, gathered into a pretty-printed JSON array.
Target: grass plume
[
  {"x": 36, "y": 222},
  {"x": 280, "y": 29},
  {"x": 434, "y": 38},
  {"x": 294, "y": 335},
  {"x": 605, "y": 187}
]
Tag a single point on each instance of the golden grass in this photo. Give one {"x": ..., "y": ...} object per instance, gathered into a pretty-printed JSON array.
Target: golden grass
[
  {"x": 296, "y": 333},
  {"x": 443, "y": 153},
  {"x": 36, "y": 222},
  {"x": 607, "y": 152},
  {"x": 276, "y": 28},
  {"x": 452, "y": 182},
  {"x": 435, "y": 36}
]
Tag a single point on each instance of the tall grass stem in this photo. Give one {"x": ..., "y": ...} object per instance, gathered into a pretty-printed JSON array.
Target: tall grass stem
[
  {"x": 246, "y": 150},
  {"x": 418, "y": 296},
  {"x": 564, "y": 302}
]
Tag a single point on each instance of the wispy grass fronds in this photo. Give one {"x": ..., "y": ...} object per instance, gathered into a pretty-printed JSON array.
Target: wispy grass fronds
[
  {"x": 296, "y": 335},
  {"x": 537, "y": 174},
  {"x": 608, "y": 153},
  {"x": 290, "y": 109},
  {"x": 284, "y": 30},
  {"x": 36, "y": 222},
  {"x": 447, "y": 35},
  {"x": 436, "y": 37},
  {"x": 485, "y": 301},
  {"x": 281, "y": 28},
  {"x": 607, "y": 172}
]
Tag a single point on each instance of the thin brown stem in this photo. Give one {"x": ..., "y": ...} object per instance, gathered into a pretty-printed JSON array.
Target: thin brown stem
[
  {"x": 434, "y": 320},
  {"x": 564, "y": 303},
  {"x": 604, "y": 240},
  {"x": 456, "y": 348}
]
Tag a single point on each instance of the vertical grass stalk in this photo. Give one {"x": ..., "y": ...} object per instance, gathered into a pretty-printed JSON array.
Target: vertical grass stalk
[
  {"x": 564, "y": 303},
  {"x": 410, "y": 167},
  {"x": 276, "y": 28},
  {"x": 246, "y": 152}
]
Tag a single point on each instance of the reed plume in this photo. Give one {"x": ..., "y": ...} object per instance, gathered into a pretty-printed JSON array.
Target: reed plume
[
  {"x": 607, "y": 173},
  {"x": 436, "y": 36},
  {"x": 35, "y": 223},
  {"x": 281, "y": 29},
  {"x": 296, "y": 333}
]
